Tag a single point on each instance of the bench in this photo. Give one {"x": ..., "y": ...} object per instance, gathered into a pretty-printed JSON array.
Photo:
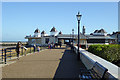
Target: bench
[{"x": 97, "y": 72}]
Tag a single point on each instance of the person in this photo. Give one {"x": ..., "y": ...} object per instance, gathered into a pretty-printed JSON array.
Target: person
[
  {"x": 60, "y": 44},
  {"x": 34, "y": 47},
  {"x": 49, "y": 45},
  {"x": 18, "y": 49},
  {"x": 54, "y": 45},
  {"x": 38, "y": 48}
]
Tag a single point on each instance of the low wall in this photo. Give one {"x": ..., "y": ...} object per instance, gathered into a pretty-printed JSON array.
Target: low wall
[{"x": 89, "y": 59}]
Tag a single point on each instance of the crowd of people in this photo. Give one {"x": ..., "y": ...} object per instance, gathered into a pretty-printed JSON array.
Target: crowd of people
[{"x": 53, "y": 45}]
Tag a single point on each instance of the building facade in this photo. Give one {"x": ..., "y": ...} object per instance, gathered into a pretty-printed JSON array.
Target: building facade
[
  {"x": 44, "y": 39},
  {"x": 98, "y": 37},
  {"x": 116, "y": 35}
]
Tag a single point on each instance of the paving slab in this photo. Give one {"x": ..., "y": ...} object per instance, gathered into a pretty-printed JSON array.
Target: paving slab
[
  {"x": 69, "y": 67},
  {"x": 48, "y": 64},
  {"x": 38, "y": 65}
]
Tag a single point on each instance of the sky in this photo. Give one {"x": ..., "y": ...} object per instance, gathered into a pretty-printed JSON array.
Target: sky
[{"x": 22, "y": 18}]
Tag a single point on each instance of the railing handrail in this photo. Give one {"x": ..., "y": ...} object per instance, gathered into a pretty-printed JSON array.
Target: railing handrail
[
  {"x": 11, "y": 48},
  {"x": 5, "y": 50}
]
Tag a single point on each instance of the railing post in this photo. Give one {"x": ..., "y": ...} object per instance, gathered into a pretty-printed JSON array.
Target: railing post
[
  {"x": 10, "y": 54},
  {"x": 34, "y": 49},
  {"x": 2, "y": 54},
  {"x": 22, "y": 51},
  {"x": 30, "y": 49},
  {"x": 5, "y": 56}
]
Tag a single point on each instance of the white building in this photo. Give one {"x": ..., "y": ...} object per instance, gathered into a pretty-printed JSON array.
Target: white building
[
  {"x": 98, "y": 37},
  {"x": 54, "y": 37},
  {"x": 100, "y": 32}
]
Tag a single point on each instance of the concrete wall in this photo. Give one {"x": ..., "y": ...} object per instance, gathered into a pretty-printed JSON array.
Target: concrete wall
[{"x": 89, "y": 59}]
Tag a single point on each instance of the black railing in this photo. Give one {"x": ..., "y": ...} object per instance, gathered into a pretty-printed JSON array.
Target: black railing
[{"x": 11, "y": 52}]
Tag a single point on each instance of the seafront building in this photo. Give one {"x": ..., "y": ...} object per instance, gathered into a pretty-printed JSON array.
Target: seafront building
[
  {"x": 43, "y": 39},
  {"x": 54, "y": 37},
  {"x": 101, "y": 37},
  {"x": 116, "y": 35}
]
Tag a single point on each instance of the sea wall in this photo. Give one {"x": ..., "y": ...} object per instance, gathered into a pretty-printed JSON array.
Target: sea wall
[{"x": 89, "y": 59}]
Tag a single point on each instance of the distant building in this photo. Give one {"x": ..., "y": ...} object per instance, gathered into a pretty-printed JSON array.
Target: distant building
[
  {"x": 100, "y": 37},
  {"x": 100, "y": 32},
  {"x": 54, "y": 37},
  {"x": 116, "y": 35}
]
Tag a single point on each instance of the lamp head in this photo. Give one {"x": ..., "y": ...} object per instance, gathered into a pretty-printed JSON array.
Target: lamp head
[{"x": 78, "y": 16}]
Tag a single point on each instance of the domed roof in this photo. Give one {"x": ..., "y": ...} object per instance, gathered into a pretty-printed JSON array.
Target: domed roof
[
  {"x": 100, "y": 31},
  {"x": 43, "y": 32},
  {"x": 53, "y": 30},
  {"x": 37, "y": 31},
  {"x": 91, "y": 33},
  {"x": 96, "y": 31},
  {"x": 60, "y": 32}
]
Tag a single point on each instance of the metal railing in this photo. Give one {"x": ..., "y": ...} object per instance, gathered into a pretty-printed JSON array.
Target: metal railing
[{"x": 9, "y": 53}]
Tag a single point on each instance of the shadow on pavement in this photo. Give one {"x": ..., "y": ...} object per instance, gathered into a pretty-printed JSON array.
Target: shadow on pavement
[{"x": 69, "y": 67}]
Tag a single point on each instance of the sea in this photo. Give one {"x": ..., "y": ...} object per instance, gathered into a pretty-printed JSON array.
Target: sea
[{"x": 9, "y": 43}]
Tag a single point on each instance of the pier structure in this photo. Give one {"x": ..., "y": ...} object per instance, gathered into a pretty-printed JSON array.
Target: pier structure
[{"x": 57, "y": 63}]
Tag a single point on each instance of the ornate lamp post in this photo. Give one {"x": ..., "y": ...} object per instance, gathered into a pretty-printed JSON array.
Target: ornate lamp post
[{"x": 78, "y": 18}]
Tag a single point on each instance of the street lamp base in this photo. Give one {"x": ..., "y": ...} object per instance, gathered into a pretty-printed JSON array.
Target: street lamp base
[{"x": 78, "y": 56}]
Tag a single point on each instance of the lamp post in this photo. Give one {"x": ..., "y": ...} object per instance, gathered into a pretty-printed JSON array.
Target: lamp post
[
  {"x": 78, "y": 18},
  {"x": 72, "y": 36}
]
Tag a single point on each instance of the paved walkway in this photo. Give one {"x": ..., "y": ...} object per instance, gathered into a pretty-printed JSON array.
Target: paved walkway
[
  {"x": 69, "y": 67},
  {"x": 54, "y": 63}
]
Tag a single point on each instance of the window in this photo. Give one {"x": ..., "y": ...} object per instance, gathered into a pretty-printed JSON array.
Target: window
[{"x": 46, "y": 40}]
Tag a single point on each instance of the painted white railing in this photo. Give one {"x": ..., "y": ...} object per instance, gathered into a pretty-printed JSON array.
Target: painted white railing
[{"x": 89, "y": 59}]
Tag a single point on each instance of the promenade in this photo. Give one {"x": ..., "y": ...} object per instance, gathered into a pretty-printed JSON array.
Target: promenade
[{"x": 49, "y": 64}]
